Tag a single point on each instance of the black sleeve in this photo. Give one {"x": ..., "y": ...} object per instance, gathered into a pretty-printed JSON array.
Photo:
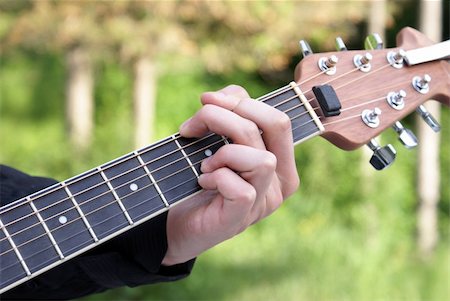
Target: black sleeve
[{"x": 131, "y": 259}]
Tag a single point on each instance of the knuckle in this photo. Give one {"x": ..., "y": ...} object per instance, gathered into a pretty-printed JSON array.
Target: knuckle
[
  {"x": 269, "y": 163},
  {"x": 250, "y": 132},
  {"x": 220, "y": 174},
  {"x": 237, "y": 90},
  {"x": 247, "y": 196},
  {"x": 291, "y": 186},
  {"x": 273, "y": 202},
  {"x": 206, "y": 111},
  {"x": 282, "y": 123}
]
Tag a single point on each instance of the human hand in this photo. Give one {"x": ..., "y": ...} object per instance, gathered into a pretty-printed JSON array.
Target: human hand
[{"x": 243, "y": 182}]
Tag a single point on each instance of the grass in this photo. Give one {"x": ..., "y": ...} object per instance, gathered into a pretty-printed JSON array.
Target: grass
[{"x": 347, "y": 234}]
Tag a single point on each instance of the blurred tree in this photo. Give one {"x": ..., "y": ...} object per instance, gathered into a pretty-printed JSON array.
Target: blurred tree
[
  {"x": 428, "y": 188},
  {"x": 67, "y": 28},
  {"x": 253, "y": 35}
]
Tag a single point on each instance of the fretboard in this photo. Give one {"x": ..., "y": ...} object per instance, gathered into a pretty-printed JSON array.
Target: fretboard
[{"x": 62, "y": 221}]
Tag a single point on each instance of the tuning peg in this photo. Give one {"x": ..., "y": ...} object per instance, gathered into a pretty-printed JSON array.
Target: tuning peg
[
  {"x": 373, "y": 41},
  {"x": 428, "y": 118},
  {"x": 382, "y": 156},
  {"x": 406, "y": 136},
  {"x": 305, "y": 48},
  {"x": 340, "y": 45}
]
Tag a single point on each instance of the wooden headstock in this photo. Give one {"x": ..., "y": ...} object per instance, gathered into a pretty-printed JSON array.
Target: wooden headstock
[{"x": 358, "y": 91}]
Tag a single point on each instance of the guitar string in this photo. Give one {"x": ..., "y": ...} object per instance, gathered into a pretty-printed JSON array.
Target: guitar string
[
  {"x": 121, "y": 161},
  {"x": 139, "y": 166},
  {"x": 145, "y": 175},
  {"x": 140, "y": 152},
  {"x": 120, "y": 213},
  {"x": 309, "y": 100},
  {"x": 108, "y": 204},
  {"x": 263, "y": 98},
  {"x": 115, "y": 188},
  {"x": 290, "y": 109},
  {"x": 115, "y": 202},
  {"x": 87, "y": 174},
  {"x": 124, "y": 158}
]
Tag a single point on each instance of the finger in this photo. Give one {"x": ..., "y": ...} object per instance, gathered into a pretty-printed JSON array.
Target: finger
[
  {"x": 238, "y": 195},
  {"x": 276, "y": 128},
  {"x": 254, "y": 165},
  {"x": 216, "y": 119}
]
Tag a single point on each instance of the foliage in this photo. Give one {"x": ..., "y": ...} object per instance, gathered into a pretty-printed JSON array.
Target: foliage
[
  {"x": 345, "y": 235},
  {"x": 225, "y": 34},
  {"x": 338, "y": 238}
]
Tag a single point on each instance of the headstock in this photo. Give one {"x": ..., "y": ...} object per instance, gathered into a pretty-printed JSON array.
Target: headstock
[{"x": 376, "y": 97}]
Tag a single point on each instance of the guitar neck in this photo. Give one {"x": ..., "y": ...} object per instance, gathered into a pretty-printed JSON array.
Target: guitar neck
[{"x": 62, "y": 221}]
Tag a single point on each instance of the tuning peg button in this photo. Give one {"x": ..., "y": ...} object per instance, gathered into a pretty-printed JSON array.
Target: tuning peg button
[
  {"x": 305, "y": 48},
  {"x": 406, "y": 136},
  {"x": 382, "y": 156},
  {"x": 428, "y": 118},
  {"x": 340, "y": 45},
  {"x": 373, "y": 41}
]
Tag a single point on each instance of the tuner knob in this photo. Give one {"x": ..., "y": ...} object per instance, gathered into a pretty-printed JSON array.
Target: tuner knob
[
  {"x": 428, "y": 118},
  {"x": 406, "y": 136},
  {"x": 382, "y": 156},
  {"x": 373, "y": 41},
  {"x": 340, "y": 45},
  {"x": 305, "y": 48}
]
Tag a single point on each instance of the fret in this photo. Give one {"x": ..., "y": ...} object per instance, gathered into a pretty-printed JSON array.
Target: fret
[
  {"x": 171, "y": 170},
  {"x": 185, "y": 156},
  {"x": 134, "y": 187},
  {"x": 225, "y": 140},
  {"x": 52, "y": 239},
  {"x": 63, "y": 219},
  {"x": 80, "y": 212},
  {"x": 151, "y": 178},
  {"x": 12, "y": 267},
  {"x": 97, "y": 205},
  {"x": 130, "y": 221},
  {"x": 28, "y": 237},
  {"x": 304, "y": 120},
  {"x": 199, "y": 149},
  {"x": 14, "y": 247}
]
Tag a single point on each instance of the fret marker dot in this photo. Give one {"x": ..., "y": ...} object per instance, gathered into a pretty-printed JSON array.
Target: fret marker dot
[
  {"x": 62, "y": 219},
  {"x": 133, "y": 187},
  {"x": 208, "y": 152}
]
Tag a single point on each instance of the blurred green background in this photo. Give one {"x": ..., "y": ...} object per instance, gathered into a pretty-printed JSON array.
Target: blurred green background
[{"x": 349, "y": 233}]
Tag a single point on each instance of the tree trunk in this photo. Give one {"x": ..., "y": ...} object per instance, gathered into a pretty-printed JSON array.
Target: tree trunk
[
  {"x": 377, "y": 17},
  {"x": 428, "y": 155},
  {"x": 79, "y": 109},
  {"x": 144, "y": 100}
]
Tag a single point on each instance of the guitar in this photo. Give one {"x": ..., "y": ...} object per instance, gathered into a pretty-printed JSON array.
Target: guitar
[{"x": 347, "y": 97}]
